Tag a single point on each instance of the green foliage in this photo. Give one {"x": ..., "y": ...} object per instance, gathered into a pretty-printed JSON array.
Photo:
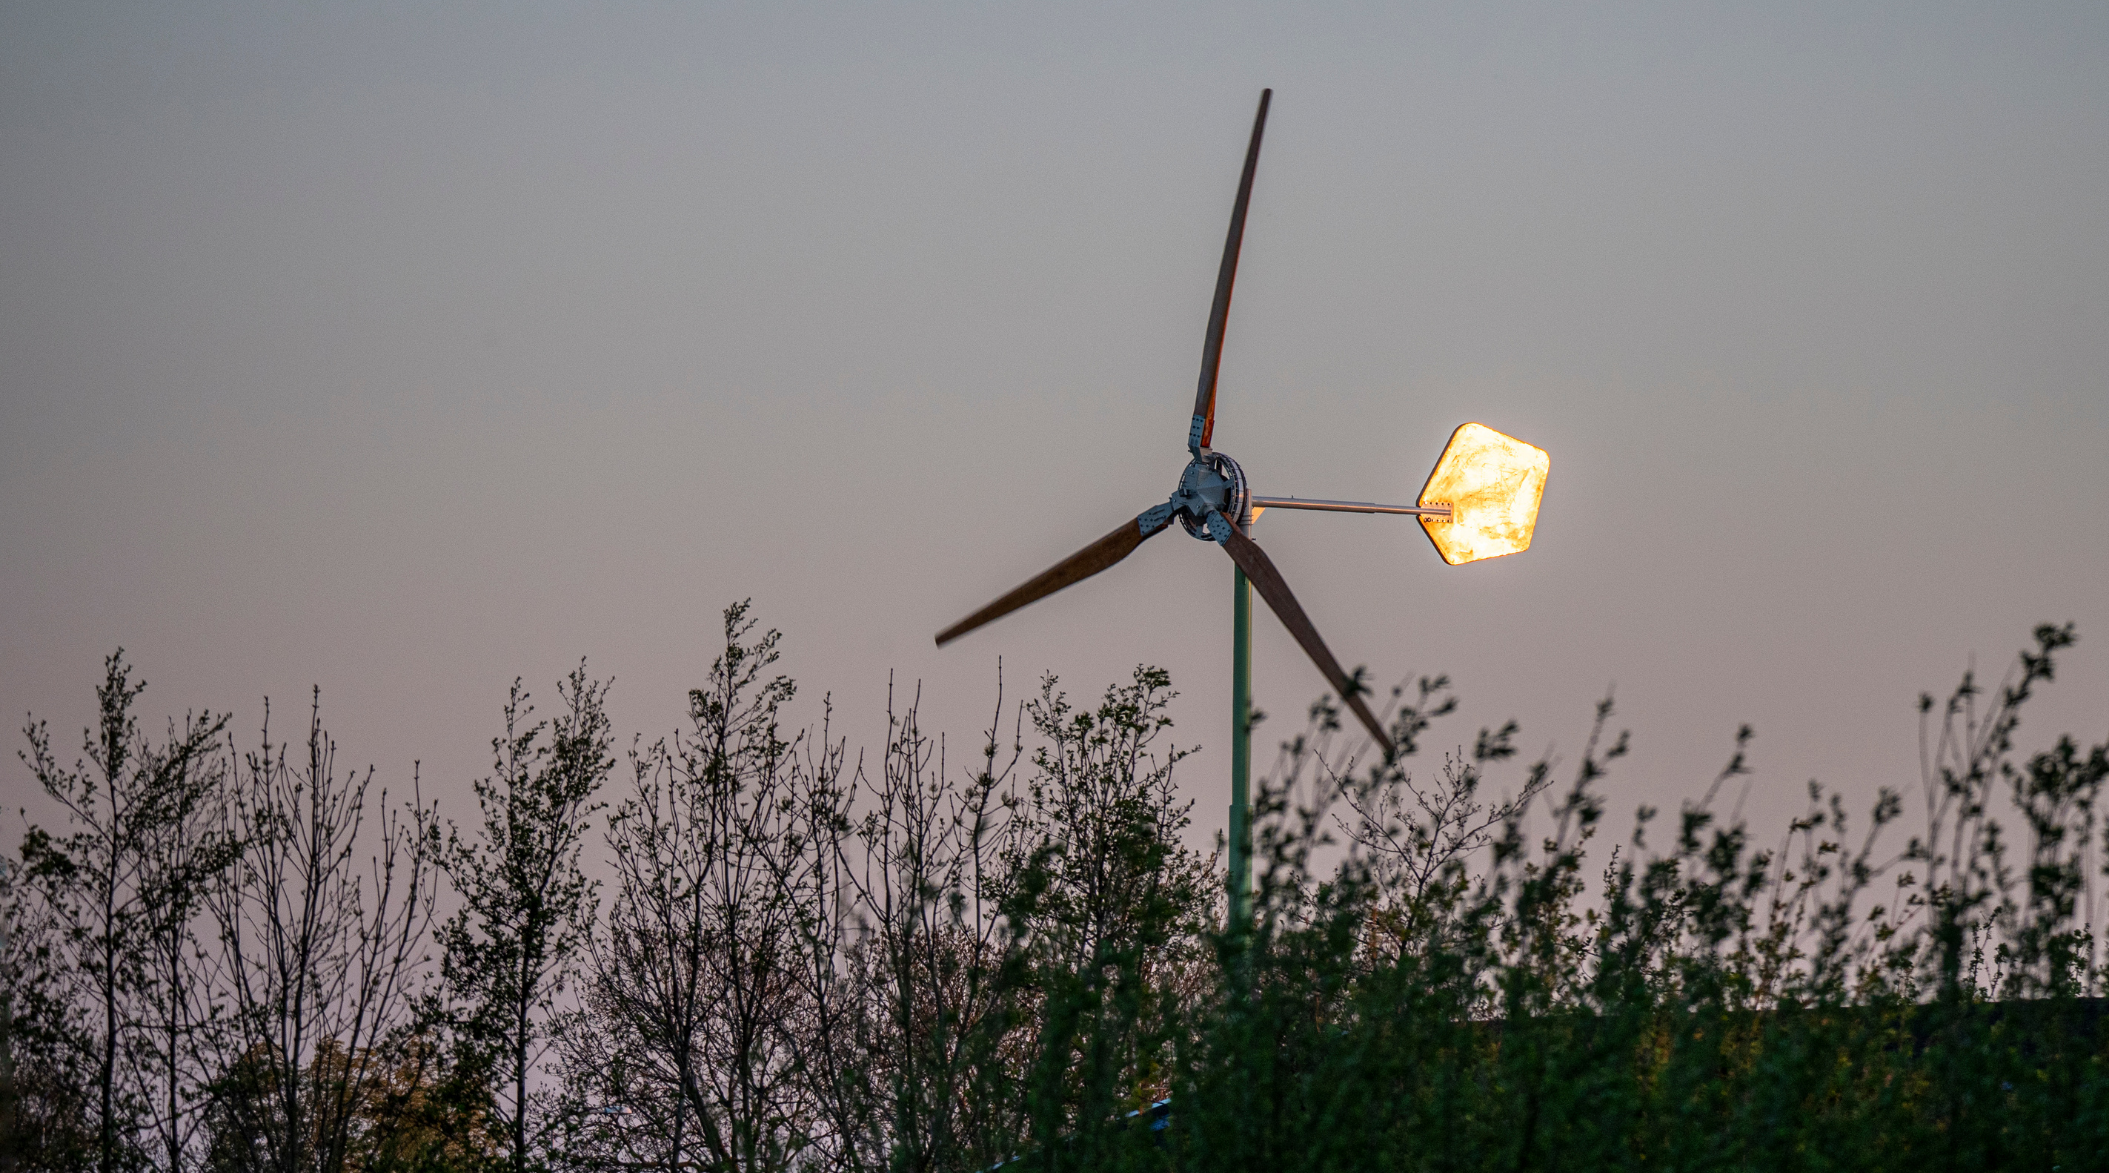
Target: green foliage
[
  {"x": 322, "y": 927},
  {"x": 102, "y": 1017},
  {"x": 1108, "y": 911},
  {"x": 811, "y": 960},
  {"x": 1712, "y": 1005},
  {"x": 682, "y": 1053},
  {"x": 512, "y": 950}
]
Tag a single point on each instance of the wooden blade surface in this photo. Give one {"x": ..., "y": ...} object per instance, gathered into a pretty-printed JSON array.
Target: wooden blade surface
[
  {"x": 1219, "y": 314},
  {"x": 1071, "y": 570},
  {"x": 1260, "y": 569}
]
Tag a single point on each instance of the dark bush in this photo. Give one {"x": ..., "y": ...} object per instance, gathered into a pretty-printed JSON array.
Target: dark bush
[{"x": 811, "y": 959}]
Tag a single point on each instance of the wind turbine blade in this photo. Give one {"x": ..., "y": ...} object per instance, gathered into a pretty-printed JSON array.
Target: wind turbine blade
[
  {"x": 1076, "y": 568},
  {"x": 1204, "y": 425},
  {"x": 1260, "y": 569}
]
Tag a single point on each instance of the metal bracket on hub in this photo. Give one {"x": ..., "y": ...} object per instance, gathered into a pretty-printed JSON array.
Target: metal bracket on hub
[
  {"x": 1155, "y": 518},
  {"x": 1193, "y": 435},
  {"x": 1218, "y": 529}
]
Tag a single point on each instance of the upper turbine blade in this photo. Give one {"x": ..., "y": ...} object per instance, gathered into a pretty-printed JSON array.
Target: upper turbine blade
[
  {"x": 1074, "y": 569},
  {"x": 1260, "y": 569},
  {"x": 1204, "y": 426}
]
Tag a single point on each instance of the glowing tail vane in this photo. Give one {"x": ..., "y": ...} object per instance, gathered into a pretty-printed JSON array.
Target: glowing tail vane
[{"x": 1492, "y": 484}]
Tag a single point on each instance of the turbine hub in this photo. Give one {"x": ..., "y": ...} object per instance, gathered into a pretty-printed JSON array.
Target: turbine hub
[{"x": 1210, "y": 484}]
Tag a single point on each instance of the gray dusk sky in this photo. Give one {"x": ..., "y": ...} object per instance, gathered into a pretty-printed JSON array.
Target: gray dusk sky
[{"x": 404, "y": 349}]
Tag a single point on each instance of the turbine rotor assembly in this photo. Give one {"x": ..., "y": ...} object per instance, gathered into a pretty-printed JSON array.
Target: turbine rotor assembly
[
  {"x": 1212, "y": 501},
  {"x": 1480, "y": 502},
  {"x": 1212, "y": 483}
]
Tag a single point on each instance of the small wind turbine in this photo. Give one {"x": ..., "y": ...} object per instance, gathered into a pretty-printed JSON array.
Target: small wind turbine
[{"x": 1481, "y": 501}]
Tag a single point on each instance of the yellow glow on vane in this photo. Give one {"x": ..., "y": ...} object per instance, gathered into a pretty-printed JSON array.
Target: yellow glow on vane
[{"x": 1492, "y": 484}]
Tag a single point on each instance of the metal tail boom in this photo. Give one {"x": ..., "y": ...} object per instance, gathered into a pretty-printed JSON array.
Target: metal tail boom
[{"x": 1439, "y": 512}]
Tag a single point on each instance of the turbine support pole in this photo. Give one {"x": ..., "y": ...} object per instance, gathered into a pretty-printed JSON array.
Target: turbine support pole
[{"x": 1240, "y": 877}]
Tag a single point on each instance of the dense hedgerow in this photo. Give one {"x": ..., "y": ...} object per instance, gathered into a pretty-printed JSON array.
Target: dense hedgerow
[
  {"x": 1855, "y": 995},
  {"x": 746, "y": 946}
]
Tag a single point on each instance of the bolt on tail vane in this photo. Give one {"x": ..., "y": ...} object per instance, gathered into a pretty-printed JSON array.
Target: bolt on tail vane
[{"x": 1481, "y": 501}]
